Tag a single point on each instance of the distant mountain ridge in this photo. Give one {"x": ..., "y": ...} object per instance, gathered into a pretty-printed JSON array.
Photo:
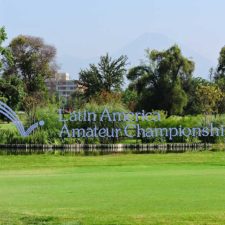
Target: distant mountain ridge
[{"x": 136, "y": 52}]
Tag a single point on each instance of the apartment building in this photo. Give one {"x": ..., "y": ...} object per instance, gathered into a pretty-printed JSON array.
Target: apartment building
[{"x": 62, "y": 85}]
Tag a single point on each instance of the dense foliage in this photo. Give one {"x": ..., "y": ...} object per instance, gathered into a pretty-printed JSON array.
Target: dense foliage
[
  {"x": 108, "y": 75},
  {"x": 164, "y": 83}
]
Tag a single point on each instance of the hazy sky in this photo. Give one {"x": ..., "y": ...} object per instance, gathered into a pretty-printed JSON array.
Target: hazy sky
[{"x": 88, "y": 28}]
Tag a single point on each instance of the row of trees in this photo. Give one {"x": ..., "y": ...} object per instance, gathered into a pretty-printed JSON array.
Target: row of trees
[
  {"x": 25, "y": 64},
  {"x": 165, "y": 82}
]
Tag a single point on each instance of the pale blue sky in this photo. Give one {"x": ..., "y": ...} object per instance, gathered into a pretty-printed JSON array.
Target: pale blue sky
[{"x": 89, "y": 28}]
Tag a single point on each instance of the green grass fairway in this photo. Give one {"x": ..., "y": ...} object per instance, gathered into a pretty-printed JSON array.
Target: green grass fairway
[{"x": 178, "y": 189}]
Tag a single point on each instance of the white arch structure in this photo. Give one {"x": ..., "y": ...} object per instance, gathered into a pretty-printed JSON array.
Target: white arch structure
[{"x": 11, "y": 115}]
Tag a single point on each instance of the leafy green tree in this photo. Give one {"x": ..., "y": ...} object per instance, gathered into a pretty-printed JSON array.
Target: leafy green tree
[
  {"x": 31, "y": 105},
  {"x": 5, "y": 53},
  {"x": 161, "y": 84},
  {"x": 12, "y": 92},
  {"x": 219, "y": 78},
  {"x": 76, "y": 100},
  {"x": 106, "y": 97},
  {"x": 107, "y": 76},
  {"x": 193, "y": 106},
  {"x": 33, "y": 62},
  {"x": 178, "y": 99},
  {"x": 209, "y": 97},
  {"x": 220, "y": 71},
  {"x": 130, "y": 99}
]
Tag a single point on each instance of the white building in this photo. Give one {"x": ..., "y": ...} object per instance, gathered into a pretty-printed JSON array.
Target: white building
[{"x": 63, "y": 86}]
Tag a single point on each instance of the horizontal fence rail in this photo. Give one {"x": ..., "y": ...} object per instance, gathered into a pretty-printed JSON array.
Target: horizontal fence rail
[{"x": 107, "y": 148}]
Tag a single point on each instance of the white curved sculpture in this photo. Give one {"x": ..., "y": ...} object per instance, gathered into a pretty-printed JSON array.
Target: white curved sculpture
[{"x": 11, "y": 115}]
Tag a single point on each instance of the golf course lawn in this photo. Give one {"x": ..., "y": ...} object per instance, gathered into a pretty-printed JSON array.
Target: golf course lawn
[{"x": 187, "y": 188}]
